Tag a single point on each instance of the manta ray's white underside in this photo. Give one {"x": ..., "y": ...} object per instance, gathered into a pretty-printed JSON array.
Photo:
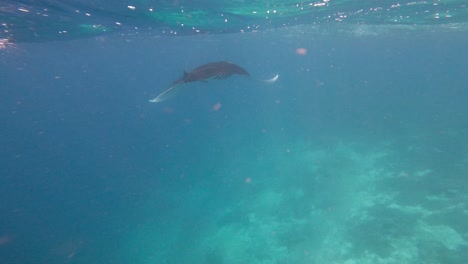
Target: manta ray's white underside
[
  {"x": 272, "y": 80},
  {"x": 175, "y": 88}
]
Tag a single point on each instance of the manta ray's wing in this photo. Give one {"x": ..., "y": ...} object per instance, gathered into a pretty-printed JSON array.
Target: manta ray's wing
[
  {"x": 272, "y": 80},
  {"x": 171, "y": 91}
]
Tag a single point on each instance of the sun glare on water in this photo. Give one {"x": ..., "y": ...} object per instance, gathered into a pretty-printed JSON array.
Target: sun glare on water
[{"x": 5, "y": 43}]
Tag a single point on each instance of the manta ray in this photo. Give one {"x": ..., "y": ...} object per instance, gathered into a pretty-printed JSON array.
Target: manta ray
[{"x": 214, "y": 70}]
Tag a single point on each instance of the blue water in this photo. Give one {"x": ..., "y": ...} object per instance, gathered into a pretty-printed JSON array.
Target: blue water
[{"x": 357, "y": 154}]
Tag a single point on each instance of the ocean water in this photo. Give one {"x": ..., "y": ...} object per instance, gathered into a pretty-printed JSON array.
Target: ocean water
[{"x": 358, "y": 154}]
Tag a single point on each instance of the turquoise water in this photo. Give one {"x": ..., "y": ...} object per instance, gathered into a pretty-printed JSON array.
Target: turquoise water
[
  {"x": 36, "y": 21},
  {"x": 357, "y": 154}
]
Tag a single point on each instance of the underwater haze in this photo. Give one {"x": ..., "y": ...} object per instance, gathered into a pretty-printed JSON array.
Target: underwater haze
[{"x": 357, "y": 154}]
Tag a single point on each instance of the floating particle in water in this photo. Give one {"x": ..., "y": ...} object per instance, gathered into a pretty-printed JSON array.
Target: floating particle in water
[
  {"x": 4, "y": 240},
  {"x": 301, "y": 51},
  {"x": 216, "y": 106}
]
